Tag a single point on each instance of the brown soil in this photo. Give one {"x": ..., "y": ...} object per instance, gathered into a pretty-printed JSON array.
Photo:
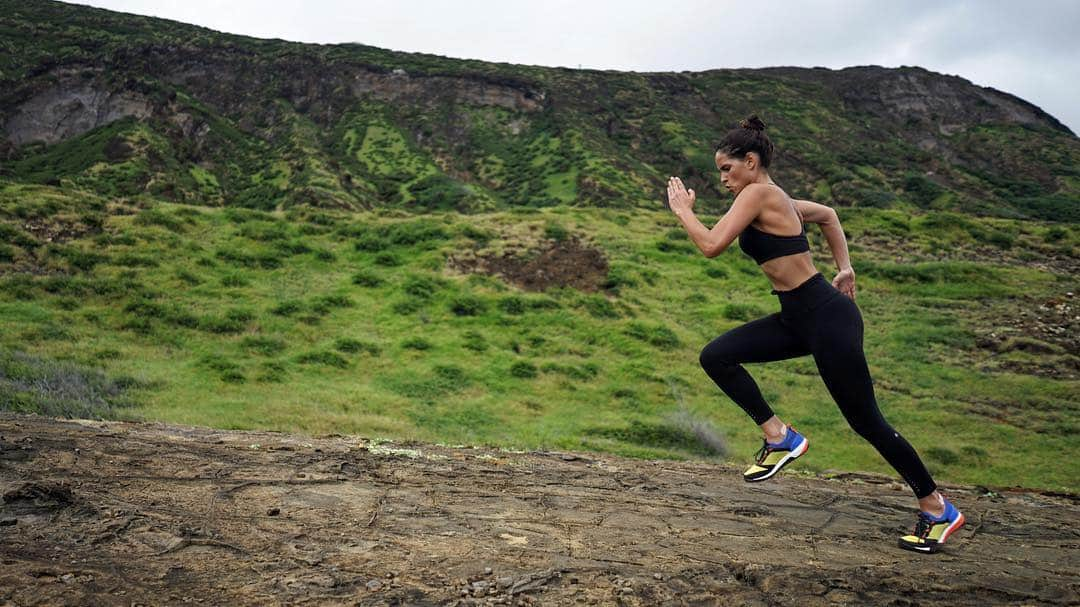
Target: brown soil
[
  {"x": 110, "y": 513},
  {"x": 563, "y": 263}
]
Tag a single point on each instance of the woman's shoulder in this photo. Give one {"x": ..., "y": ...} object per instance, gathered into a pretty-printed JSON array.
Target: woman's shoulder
[{"x": 770, "y": 195}]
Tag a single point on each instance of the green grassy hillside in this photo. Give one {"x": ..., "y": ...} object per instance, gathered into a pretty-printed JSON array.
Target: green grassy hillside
[
  {"x": 214, "y": 229},
  {"x": 387, "y": 324}
]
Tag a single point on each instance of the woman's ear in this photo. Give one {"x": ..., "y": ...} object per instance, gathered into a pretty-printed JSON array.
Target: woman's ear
[{"x": 751, "y": 160}]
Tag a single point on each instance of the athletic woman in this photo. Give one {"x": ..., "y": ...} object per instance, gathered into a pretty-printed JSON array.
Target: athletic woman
[{"x": 815, "y": 317}]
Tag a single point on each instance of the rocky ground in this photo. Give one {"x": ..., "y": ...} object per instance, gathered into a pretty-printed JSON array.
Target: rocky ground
[{"x": 110, "y": 513}]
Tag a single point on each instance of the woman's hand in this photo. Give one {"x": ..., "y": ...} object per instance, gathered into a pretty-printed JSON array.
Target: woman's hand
[
  {"x": 845, "y": 282},
  {"x": 680, "y": 200}
]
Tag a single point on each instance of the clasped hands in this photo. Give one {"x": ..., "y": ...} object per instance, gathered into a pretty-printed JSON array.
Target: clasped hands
[{"x": 680, "y": 200}]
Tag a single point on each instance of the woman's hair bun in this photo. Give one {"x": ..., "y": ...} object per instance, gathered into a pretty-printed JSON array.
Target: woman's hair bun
[{"x": 753, "y": 123}]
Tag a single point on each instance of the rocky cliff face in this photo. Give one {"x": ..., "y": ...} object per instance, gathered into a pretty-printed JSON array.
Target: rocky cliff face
[{"x": 358, "y": 126}]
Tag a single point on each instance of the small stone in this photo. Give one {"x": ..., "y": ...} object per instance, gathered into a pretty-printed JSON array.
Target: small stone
[
  {"x": 273, "y": 512},
  {"x": 658, "y": 576},
  {"x": 487, "y": 570},
  {"x": 480, "y": 586},
  {"x": 7, "y": 522},
  {"x": 67, "y": 578},
  {"x": 374, "y": 585}
]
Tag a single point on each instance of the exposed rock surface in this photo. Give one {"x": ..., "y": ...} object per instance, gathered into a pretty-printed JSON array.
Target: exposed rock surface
[{"x": 122, "y": 514}]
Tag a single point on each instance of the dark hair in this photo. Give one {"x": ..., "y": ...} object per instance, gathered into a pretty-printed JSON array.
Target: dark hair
[{"x": 749, "y": 136}]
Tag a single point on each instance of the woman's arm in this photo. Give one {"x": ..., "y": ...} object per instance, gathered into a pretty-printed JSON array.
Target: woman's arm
[
  {"x": 829, "y": 221},
  {"x": 713, "y": 242},
  {"x": 834, "y": 234}
]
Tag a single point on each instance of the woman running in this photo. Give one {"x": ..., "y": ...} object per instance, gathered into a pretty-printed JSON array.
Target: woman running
[{"x": 815, "y": 317}]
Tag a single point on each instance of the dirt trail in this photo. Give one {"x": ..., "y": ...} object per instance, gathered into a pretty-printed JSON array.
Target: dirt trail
[{"x": 126, "y": 514}]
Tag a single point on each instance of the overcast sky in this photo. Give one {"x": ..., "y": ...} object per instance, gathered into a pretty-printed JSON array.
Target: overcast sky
[{"x": 1029, "y": 49}]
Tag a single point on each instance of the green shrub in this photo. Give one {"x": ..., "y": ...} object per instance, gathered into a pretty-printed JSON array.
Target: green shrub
[
  {"x": 157, "y": 217},
  {"x": 324, "y": 303},
  {"x": 512, "y": 304},
  {"x": 218, "y": 362},
  {"x": 405, "y": 307},
  {"x": 556, "y": 232},
  {"x": 387, "y": 259},
  {"x": 619, "y": 276},
  {"x": 467, "y": 305},
  {"x": 411, "y": 233},
  {"x": 416, "y": 343},
  {"x": 654, "y": 334},
  {"x": 663, "y": 436},
  {"x": 353, "y": 346},
  {"x": 233, "y": 376},
  {"x": 475, "y": 341},
  {"x": 266, "y": 346},
  {"x": 370, "y": 243},
  {"x": 365, "y": 278},
  {"x": 330, "y": 359},
  {"x": 668, "y": 246},
  {"x": 261, "y": 259},
  {"x": 272, "y": 372},
  {"x": 422, "y": 287},
  {"x": 942, "y": 455},
  {"x": 287, "y": 308},
  {"x": 741, "y": 311},
  {"x": 13, "y": 235},
  {"x": 583, "y": 372},
  {"x": 1054, "y": 234},
  {"x": 438, "y": 192},
  {"x": 599, "y": 306},
  {"x": 523, "y": 369},
  {"x": 191, "y": 279},
  {"x": 215, "y": 324},
  {"x": 1001, "y": 239},
  {"x": 921, "y": 190},
  {"x": 325, "y": 255},
  {"x": 292, "y": 247},
  {"x": 477, "y": 234},
  {"x": 76, "y": 258}
]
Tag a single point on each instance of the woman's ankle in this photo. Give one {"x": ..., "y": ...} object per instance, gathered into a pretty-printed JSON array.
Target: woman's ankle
[
  {"x": 933, "y": 504},
  {"x": 774, "y": 429}
]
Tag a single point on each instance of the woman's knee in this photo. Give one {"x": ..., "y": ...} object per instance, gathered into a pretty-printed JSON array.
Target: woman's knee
[{"x": 714, "y": 356}]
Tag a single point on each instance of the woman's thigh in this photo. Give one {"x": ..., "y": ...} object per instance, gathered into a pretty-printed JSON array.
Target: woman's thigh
[
  {"x": 762, "y": 340},
  {"x": 838, "y": 352}
]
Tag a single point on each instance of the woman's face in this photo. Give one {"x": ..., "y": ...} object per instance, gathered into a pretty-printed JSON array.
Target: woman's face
[{"x": 736, "y": 173}]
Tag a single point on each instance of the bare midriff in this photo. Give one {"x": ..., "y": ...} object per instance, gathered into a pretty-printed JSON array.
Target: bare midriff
[{"x": 789, "y": 271}]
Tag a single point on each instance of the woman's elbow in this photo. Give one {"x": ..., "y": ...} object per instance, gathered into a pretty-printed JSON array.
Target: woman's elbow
[{"x": 714, "y": 250}]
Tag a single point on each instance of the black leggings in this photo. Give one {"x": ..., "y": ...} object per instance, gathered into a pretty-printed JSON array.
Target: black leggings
[{"x": 817, "y": 319}]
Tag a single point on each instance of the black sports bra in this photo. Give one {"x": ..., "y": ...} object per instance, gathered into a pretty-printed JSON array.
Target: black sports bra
[{"x": 763, "y": 246}]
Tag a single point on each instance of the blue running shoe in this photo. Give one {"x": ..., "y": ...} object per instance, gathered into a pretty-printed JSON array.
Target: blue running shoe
[
  {"x": 931, "y": 532},
  {"x": 772, "y": 457}
]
